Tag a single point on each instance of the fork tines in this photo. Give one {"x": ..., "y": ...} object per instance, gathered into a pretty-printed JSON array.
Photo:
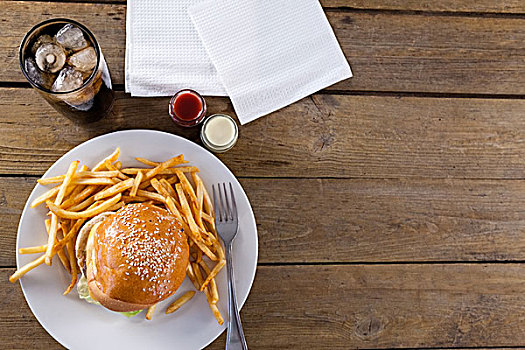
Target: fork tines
[{"x": 225, "y": 206}]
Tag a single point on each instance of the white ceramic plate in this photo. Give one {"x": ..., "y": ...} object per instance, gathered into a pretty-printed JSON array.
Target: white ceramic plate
[{"x": 79, "y": 325}]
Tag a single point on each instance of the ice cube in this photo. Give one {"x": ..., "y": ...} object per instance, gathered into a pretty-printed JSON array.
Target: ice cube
[
  {"x": 68, "y": 79},
  {"x": 36, "y": 75},
  {"x": 41, "y": 40},
  {"x": 71, "y": 37},
  {"x": 50, "y": 57},
  {"x": 84, "y": 60}
]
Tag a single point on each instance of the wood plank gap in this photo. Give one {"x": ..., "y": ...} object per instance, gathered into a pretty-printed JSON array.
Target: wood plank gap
[
  {"x": 120, "y": 87},
  {"x": 349, "y": 9},
  {"x": 321, "y": 177},
  {"x": 422, "y": 94},
  {"x": 18, "y": 175},
  {"x": 105, "y": 2},
  {"x": 457, "y": 348},
  {"x": 388, "y": 263},
  {"x": 353, "y": 9}
]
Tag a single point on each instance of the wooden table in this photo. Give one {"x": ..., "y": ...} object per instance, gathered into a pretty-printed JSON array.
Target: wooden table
[{"x": 390, "y": 207}]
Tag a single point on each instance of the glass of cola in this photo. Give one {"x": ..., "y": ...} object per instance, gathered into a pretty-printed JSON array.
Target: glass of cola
[{"x": 62, "y": 60}]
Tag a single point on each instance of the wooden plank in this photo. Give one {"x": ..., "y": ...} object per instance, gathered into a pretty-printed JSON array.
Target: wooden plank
[
  {"x": 333, "y": 220},
  {"x": 13, "y": 196},
  {"x": 347, "y": 307},
  {"x": 387, "y": 51},
  {"x": 488, "y": 6},
  {"x": 325, "y": 135},
  {"x": 464, "y": 6}
]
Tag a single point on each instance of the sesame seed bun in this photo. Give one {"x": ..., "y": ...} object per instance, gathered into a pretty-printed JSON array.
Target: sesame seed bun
[{"x": 135, "y": 257}]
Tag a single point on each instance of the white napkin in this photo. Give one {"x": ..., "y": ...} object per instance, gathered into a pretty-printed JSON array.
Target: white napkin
[
  {"x": 269, "y": 53},
  {"x": 163, "y": 51}
]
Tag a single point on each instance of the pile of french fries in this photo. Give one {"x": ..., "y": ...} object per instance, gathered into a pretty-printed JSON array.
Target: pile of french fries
[{"x": 81, "y": 194}]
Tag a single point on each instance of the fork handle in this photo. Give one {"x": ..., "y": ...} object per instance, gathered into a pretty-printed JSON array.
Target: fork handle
[{"x": 235, "y": 335}]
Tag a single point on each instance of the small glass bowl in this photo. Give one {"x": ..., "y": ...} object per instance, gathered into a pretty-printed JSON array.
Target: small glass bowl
[
  {"x": 183, "y": 122},
  {"x": 219, "y": 148}
]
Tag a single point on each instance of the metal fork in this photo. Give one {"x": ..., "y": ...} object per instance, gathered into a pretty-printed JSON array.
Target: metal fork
[{"x": 227, "y": 223}]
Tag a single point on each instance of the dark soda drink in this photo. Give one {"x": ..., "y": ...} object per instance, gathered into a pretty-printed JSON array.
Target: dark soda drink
[{"x": 62, "y": 60}]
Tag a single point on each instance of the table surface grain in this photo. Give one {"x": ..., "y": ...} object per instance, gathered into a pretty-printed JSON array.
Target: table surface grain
[{"x": 390, "y": 207}]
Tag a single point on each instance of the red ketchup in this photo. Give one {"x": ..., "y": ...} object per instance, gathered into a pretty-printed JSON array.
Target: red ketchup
[{"x": 187, "y": 108}]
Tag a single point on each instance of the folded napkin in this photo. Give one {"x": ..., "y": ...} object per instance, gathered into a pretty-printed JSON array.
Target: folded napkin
[
  {"x": 163, "y": 51},
  {"x": 269, "y": 53}
]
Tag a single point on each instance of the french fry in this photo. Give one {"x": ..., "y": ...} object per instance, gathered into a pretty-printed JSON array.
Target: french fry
[
  {"x": 58, "y": 200},
  {"x": 62, "y": 257},
  {"x": 187, "y": 187},
  {"x": 173, "y": 180},
  {"x": 191, "y": 276},
  {"x": 208, "y": 218},
  {"x": 112, "y": 158},
  {"x": 200, "y": 194},
  {"x": 109, "y": 173},
  {"x": 168, "y": 187},
  {"x": 147, "y": 162},
  {"x": 45, "y": 196},
  {"x": 113, "y": 190},
  {"x": 136, "y": 184},
  {"x": 151, "y": 195},
  {"x": 94, "y": 181},
  {"x": 134, "y": 171},
  {"x": 145, "y": 184},
  {"x": 208, "y": 206},
  {"x": 109, "y": 165},
  {"x": 116, "y": 206},
  {"x": 75, "y": 192},
  {"x": 128, "y": 199},
  {"x": 26, "y": 268},
  {"x": 78, "y": 175},
  {"x": 159, "y": 188},
  {"x": 169, "y": 171},
  {"x": 218, "y": 249},
  {"x": 80, "y": 197},
  {"x": 170, "y": 203},
  {"x": 213, "y": 273},
  {"x": 150, "y": 312},
  {"x": 216, "y": 313},
  {"x": 86, "y": 203},
  {"x": 205, "y": 249},
  {"x": 118, "y": 165},
  {"x": 153, "y": 164},
  {"x": 210, "y": 223},
  {"x": 33, "y": 250},
  {"x": 198, "y": 274},
  {"x": 187, "y": 212},
  {"x": 89, "y": 213},
  {"x": 198, "y": 256},
  {"x": 73, "y": 264},
  {"x": 51, "y": 180},
  {"x": 213, "y": 307},
  {"x": 197, "y": 217},
  {"x": 164, "y": 165},
  {"x": 83, "y": 168},
  {"x": 214, "y": 293},
  {"x": 180, "y": 301},
  {"x": 72, "y": 233}
]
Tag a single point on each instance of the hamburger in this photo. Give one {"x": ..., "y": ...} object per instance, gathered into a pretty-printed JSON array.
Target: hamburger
[{"x": 131, "y": 259}]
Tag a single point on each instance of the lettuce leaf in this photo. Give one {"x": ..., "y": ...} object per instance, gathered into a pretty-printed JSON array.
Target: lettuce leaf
[
  {"x": 83, "y": 293},
  {"x": 130, "y": 313}
]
